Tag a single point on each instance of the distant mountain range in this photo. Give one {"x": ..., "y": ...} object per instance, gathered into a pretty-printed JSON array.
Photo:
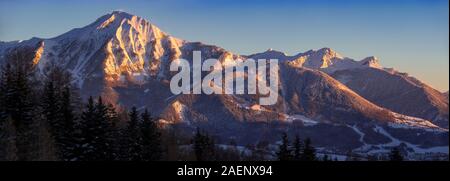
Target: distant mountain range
[{"x": 341, "y": 103}]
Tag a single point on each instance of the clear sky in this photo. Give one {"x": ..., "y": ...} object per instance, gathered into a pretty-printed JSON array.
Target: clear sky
[{"x": 410, "y": 35}]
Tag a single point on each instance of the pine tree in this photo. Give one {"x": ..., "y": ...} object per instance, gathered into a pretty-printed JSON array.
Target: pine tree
[
  {"x": 69, "y": 139},
  {"x": 8, "y": 150},
  {"x": 87, "y": 129},
  {"x": 95, "y": 142},
  {"x": 151, "y": 139},
  {"x": 199, "y": 145},
  {"x": 105, "y": 141},
  {"x": 210, "y": 148},
  {"x": 284, "y": 152},
  {"x": 325, "y": 158},
  {"x": 50, "y": 107},
  {"x": 309, "y": 152},
  {"x": 3, "y": 89},
  {"x": 204, "y": 147},
  {"x": 21, "y": 112},
  {"x": 18, "y": 104},
  {"x": 133, "y": 136},
  {"x": 45, "y": 141},
  {"x": 298, "y": 148},
  {"x": 80, "y": 143},
  {"x": 52, "y": 118},
  {"x": 395, "y": 155},
  {"x": 23, "y": 115},
  {"x": 56, "y": 103},
  {"x": 112, "y": 116},
  {"x": 115, "y": 132}
]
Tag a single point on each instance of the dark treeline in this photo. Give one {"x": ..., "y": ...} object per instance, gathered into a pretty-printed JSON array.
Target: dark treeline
[
  {"x": 42, "y": 117},
  {"x": 45, "y": 119},
  {"x": 300, "y": 150}
]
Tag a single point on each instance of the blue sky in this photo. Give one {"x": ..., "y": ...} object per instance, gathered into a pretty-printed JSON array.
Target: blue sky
[{"x": 409, "y": 35}]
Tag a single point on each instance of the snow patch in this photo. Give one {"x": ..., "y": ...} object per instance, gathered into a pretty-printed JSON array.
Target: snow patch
[
  {"x": 298, "y": 117},
  {"x": 368, "y": 148},
  {"x": 180, "y": 109},
  {"x": 408, "y": 122},
  {"x": 107, "y": 22}
]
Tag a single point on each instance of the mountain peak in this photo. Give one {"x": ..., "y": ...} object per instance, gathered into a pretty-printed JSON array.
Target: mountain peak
[
  {"x": 270, "y": 50},
  {"x": 118, "y": 18},
  {"x": 323, "y": 52},
  {"x": 121, "y": 13},
  {"x": 270, "y": 54},
  {"x": 322, "y": 58},
  {"x": 117, "y": 43},
  {"x": 120, "y": 24},
  {"x": 126, "y": 59},
  {"x": 113, "y": 24},
  {"x": 371, "y": 61},
  {"x": 328, "y": 52}
]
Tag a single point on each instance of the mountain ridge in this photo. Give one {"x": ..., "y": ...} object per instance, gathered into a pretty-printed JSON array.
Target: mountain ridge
[{"x": 125, "y": 59}]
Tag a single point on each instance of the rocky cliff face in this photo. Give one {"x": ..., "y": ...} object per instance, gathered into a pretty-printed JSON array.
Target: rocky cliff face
[
  {"x": 339, "y": 102},
  {"x": 384, "y": 87}
]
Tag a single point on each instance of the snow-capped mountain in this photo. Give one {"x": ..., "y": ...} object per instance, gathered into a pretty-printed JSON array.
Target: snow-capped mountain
[
  {"x": 385, "y": 87},
  {"x": 126, "y": 59},
  {"x": 325, "y": 59},
  {"x": 398, "y": 92}
]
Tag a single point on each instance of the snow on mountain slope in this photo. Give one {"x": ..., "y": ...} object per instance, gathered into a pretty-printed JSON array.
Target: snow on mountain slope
[
  {"x": 398, "y": 92},
  {"x": 126, "y": 59},
  {"x": 270, "y": 54},
  {"x": 336, "y": 100},
  {"x": 383, "y": 86},
  {"x": 325, "y": 59}
]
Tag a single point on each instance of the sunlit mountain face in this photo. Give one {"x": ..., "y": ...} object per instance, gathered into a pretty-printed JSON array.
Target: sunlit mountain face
[{"x": 340, "y": 103}]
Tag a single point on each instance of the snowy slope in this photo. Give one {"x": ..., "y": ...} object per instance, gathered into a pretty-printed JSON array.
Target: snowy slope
[
  {"x": 385, "y": 87},
  {"x": 126, "y": 59},
  {"x": 325, "y": 59}
]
